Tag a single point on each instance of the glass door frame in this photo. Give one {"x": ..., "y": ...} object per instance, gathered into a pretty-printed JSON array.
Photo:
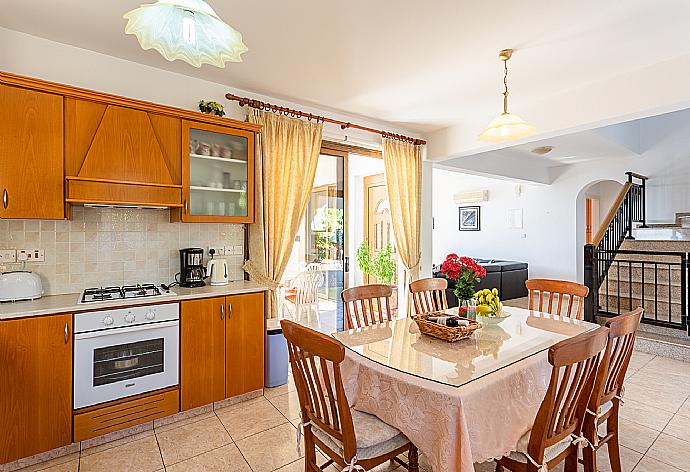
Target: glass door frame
[{"x": 343, "y": 155}]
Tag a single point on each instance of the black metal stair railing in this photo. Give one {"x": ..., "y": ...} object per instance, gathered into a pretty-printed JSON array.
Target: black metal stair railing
[{"x": 628, "y": 209}]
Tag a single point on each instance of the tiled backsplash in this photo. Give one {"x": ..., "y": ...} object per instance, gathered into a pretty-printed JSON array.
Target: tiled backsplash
[{"x": 114, "y": 246}]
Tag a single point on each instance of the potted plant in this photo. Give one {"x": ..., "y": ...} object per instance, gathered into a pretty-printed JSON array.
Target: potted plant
[
  {"x": 382, "y": 265},
  {"x": 211, "y": 108},
  {"x": 466, "y": 273}
]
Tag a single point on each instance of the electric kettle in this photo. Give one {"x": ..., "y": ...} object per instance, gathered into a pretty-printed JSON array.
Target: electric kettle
[{"x": 217, "y": 271}]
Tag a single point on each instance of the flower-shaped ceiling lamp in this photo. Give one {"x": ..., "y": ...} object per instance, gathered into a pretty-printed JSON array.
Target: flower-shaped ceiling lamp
[
  {"x": 185, "y": 29},
  {"x": 506, "y": 126}
]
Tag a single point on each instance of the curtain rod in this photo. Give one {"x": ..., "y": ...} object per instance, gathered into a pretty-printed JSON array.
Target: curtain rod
[{"x": 300, "y": 114}]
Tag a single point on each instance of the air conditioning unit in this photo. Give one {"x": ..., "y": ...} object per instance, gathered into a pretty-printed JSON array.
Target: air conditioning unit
[{"x": 462, "y": 198}]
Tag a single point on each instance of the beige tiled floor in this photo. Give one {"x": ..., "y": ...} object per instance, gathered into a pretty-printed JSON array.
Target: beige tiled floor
[{"x": 259, "y": 435}]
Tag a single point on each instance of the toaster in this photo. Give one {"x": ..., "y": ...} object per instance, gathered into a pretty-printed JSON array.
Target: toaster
[{"x": 20, "y": 285}]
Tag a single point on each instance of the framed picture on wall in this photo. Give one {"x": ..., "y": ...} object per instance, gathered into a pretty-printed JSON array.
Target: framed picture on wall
[{"x": 469, "y": 218}]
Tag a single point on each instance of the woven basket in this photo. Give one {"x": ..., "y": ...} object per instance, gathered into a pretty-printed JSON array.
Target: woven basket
[{"x": 444, "y": 332}]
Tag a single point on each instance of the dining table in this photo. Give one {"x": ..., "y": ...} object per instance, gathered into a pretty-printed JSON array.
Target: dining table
[{"x": 460, "y": 403}]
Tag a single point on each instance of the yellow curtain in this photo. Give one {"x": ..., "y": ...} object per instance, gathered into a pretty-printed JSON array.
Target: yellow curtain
[
  {"x": 403, "y": 164},
  {"x": 285, "y": 164}
]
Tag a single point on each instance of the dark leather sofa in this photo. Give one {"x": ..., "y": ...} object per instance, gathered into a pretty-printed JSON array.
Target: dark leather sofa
[{"x": 508, "y": 277}]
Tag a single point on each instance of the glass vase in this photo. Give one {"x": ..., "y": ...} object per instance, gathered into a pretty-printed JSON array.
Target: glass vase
[{"x": 468, "y": 308}]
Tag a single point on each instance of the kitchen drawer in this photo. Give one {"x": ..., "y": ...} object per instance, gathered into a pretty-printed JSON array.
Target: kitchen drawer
[{"x": 113, "y": 416}]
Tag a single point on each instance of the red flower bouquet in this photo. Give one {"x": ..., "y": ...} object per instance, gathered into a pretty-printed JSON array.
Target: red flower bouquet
[{"x": 465, "y": 272}]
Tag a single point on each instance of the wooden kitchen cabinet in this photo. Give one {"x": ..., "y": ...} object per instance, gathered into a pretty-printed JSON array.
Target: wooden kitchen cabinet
[
  {"x": 121, "y": 155},
  {"x": 202, "y": 352},
  {"x": 217, "y": 173},
  {"x": 31, "y": 154},
  {"x": 221, "y": 348},
  {"x": 245, "y": 331},
  {"x": 35, "y": 385}
]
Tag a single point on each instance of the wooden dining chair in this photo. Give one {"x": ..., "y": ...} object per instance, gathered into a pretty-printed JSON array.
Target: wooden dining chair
[
  {"x": 350, "y": 438},
  {"x": 367, "y": 305},
  {"x": 604, "y": 404},
  {"x": 568, "y": 295},
  {"x": 429, "y": 295},
  {"x": 557, "y": 431}
]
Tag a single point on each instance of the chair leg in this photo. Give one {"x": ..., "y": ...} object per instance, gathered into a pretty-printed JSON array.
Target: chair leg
[
  {"x": 413, "y": 459},
  {"x": 310, "y": 464},
  {"x": 571, "y": 460},
  {"x": 589, "y": 453},
  {"x": 589, "y": 459},
  {"x": 612, "y": 443}
]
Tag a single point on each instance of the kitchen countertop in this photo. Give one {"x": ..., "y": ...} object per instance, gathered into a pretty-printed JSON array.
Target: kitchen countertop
[{"x": 68, "y": 303}]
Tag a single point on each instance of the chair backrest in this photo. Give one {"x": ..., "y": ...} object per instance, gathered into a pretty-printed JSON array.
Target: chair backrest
[
  {"x": 315, "y": 360},
  {"x": 619, "y": 350},
  {"x": 429, "y": 295},
  {"x": 575, "y": 362},
  {"x": 313, "y": 266},
  {"x": 307, "y": 285},
  {"x": 367, "y": 305},
  {"x": 572, "y": 293}
]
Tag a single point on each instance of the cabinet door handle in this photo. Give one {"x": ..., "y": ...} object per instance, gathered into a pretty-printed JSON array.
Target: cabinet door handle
[
  {"x": 185, "y": 207},
  {"x": 222, "y": 312},
  {"x": 5, "y": 199},
  {"x": 66, "y": 333},
  {"x": 229, "y": 310}
]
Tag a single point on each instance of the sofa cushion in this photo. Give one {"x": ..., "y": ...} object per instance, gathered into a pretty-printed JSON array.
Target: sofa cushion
[{"x": 512, "y": 265}]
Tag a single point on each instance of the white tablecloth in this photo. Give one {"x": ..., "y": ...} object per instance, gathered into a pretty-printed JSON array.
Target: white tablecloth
[{"x": 453, "y": 426}]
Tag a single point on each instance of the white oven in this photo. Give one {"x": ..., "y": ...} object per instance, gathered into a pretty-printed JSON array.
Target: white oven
[{"x": 125, "y": 351}]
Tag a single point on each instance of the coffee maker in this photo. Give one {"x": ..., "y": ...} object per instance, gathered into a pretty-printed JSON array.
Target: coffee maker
[{"x": 192, "y": 272}]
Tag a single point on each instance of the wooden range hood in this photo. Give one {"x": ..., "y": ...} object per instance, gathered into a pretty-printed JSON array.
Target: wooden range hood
[{"x": 121, "y": 156}]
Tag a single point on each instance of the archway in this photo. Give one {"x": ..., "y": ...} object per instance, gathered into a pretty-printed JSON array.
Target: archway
[{"x": 601, "y": 195}]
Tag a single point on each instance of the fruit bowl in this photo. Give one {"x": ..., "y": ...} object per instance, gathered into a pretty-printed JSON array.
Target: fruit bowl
[{"x": 491, "y": 319}]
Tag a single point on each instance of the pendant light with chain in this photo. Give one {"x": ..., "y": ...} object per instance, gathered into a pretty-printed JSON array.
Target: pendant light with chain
[{"x": 506, "y": 126}]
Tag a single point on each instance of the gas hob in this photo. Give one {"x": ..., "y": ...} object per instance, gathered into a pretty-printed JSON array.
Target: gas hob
[{"x": 126, "y": 292}]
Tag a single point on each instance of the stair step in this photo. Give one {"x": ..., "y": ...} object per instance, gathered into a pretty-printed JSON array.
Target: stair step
[
  {"x": 660, "y": 313},
  {"x": 665, "y": 346},
  {"x": 661, "y": 291},
  {"x": 660, "y": 341}
]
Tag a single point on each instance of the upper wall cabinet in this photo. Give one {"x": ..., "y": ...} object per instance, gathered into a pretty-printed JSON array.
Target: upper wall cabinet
[
  {"x": 31, "y": 154},
  {"x": 217, "y": 173},
  {"x": 65, "y": 144},
  {"x": 119, "y": 155}
]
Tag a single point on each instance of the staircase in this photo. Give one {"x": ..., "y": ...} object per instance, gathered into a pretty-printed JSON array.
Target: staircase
[{"x": 632, "y": 264}]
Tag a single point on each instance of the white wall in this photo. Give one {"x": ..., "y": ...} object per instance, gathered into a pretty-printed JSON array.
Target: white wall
[
  {"x": 606, "y": 192},
  {"x": 554, "y": 215},
  {"x": 32, "y": 56}
]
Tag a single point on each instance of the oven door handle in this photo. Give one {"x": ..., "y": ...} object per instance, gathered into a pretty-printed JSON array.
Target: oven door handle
[{"x": 127, "y": 329}]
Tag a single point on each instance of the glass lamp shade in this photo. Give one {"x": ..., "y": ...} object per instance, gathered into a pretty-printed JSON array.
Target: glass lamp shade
[
  {"x": 506, "y": 127},
  {"x": 188, "y": 30}
]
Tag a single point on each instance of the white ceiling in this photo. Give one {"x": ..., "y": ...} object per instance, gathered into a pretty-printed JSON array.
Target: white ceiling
[{"x": 425, "y": 66}]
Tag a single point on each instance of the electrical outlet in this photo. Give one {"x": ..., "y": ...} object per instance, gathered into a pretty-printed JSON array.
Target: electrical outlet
[
  {"x": 8, "y": 255},
  {"x": 219, "y": 250},
  {"x": 31, "y": 255},
  {"x": 236, "y": 250}
]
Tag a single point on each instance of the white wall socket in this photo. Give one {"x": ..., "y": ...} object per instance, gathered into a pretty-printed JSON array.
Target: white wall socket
[
  {"x": 237, "y": 250},
  {"x": 8, "y": 255},
  {"x": 220, "y": 251},
  {"x": 31, "y": 255}
]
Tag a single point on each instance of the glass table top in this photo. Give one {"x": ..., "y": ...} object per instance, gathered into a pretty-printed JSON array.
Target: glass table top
[{"x": 399, "y": 345}]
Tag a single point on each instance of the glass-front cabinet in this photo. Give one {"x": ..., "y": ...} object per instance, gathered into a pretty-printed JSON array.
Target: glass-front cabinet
[{"x": 217, "y": 173}]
